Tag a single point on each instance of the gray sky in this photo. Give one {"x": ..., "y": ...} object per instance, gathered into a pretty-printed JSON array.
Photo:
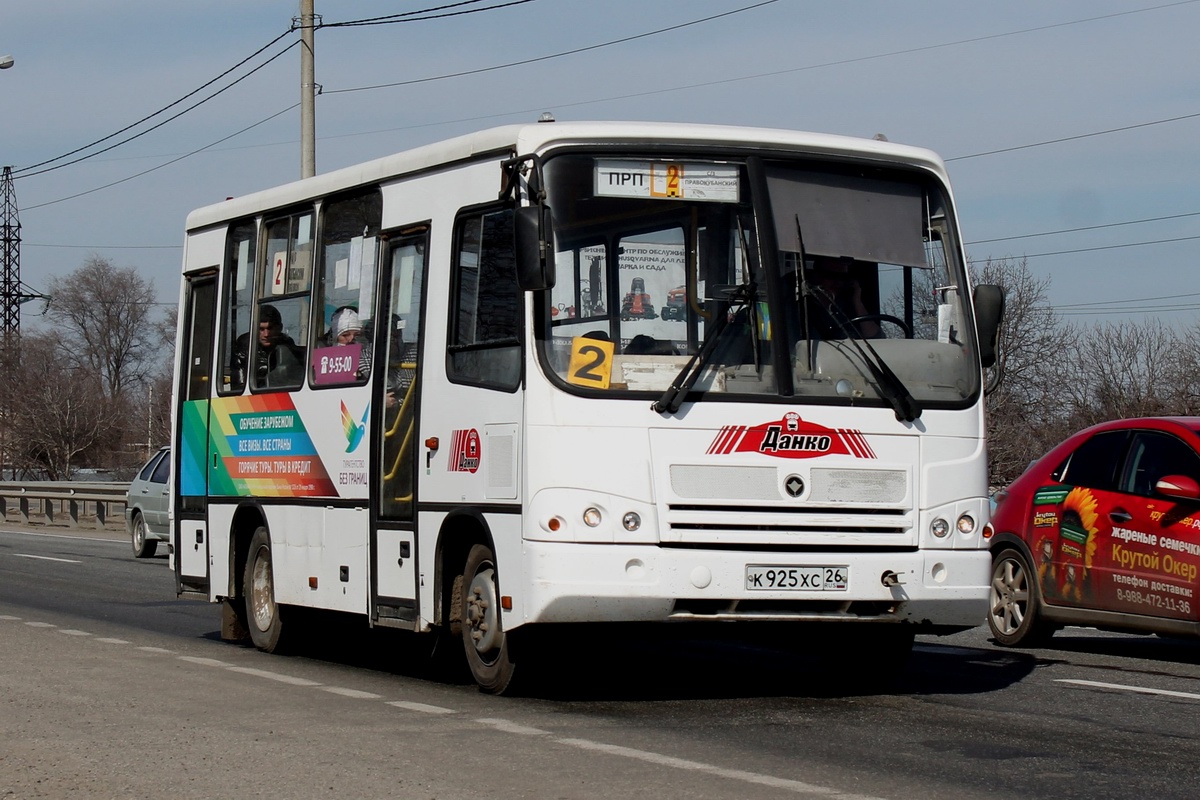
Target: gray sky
[{"x": 965, "y": 79}]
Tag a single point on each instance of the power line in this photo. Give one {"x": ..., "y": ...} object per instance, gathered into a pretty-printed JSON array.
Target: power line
[
  {"x": 1085, "y": 228},
  {"x": 558, "y": 55},
  {"x": 411, "y": 16},
  {"x": 156, "y": 113},
  {"x": 1125, "y": 311},
  {"x": 1131, "y": 300},
  {"x": 108, "y": 246},
  {"x": 1109, "y": 247},
  {"x": 1074, "y": 138},
  {"x": 166, "y": 163},
  {"x": 156, "y": 127}
]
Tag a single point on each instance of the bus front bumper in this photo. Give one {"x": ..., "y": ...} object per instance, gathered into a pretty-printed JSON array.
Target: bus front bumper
[{"x": 571, "y": 582}]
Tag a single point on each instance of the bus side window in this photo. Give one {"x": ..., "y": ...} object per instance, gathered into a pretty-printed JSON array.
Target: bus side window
[
  {"x": 485, "y": 323},
  {"x": 278, "y": 349},
  {"x": 237, "y": 308},
  {"x": 346, "y": 282}
]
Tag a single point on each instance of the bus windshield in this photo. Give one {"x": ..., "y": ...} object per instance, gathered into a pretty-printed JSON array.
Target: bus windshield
[{"x": 831, "y": 281}]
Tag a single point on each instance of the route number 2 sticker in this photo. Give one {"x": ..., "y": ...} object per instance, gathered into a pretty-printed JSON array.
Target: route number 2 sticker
[{"x": 591, "y": 362}]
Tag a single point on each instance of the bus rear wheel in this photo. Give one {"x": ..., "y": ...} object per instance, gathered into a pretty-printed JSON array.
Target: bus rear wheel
[
  {"x": 263, "y": 614},
  {"x": 487, "y": 646}
]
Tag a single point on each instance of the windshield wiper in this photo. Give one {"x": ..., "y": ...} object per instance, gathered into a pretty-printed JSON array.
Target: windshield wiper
[
  {"x": 889, "y": 385},
  {"x": 672, "y": 398}
]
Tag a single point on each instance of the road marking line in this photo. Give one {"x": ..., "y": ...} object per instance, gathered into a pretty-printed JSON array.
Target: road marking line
[
  {"x": 424, "y": 708},
  {"x": 70, "y": 632},
  {"x": 1125, "y": 688},
  {"x": 275, "y": 676},
  {"x": 698, "y": 766},
  {"x": 110, "y": 640},
  {"x": 41, "y": 625},
  {"x": 512, "y": 727},
  {"x": 352, "y": 693},
  {"x": 123, "y": 541},
  {"x": 204, "y": 662},
  {"x": 46, "y": 558},
  {"x": 9, "y": 617},
  {"x": 162, "y": 650}
]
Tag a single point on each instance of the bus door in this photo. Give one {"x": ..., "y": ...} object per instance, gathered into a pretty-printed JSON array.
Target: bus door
[
  {"x": 191, "y": 509},
  {"x": 393, "y": 543}
]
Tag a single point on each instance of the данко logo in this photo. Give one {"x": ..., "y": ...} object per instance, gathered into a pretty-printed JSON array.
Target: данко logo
[
  {"x": 464, "y": 451},
  {"x": 790, "y": 437}
]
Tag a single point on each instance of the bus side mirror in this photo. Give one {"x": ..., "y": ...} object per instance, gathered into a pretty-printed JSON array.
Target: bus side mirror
[
  {"x": 989, "y": 311},
  {"x": 532, "y": 235}
]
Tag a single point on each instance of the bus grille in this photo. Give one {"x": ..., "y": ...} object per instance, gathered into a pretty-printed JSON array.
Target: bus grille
[{"x": 749, "y": 525}]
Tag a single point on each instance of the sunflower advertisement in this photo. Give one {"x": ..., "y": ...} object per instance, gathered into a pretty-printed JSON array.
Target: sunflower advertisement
[{"x": 1085, "y": 559}]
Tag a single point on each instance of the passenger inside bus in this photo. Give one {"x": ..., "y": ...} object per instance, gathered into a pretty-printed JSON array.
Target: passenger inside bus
[
  {"x": 275, "y": 361},
  {"x": 345, "y": 328}
]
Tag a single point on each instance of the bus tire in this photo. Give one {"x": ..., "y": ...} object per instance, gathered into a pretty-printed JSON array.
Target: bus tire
[
  {"x": 484, "y": 641},
  {"x": 1015, "y": 603},
  {"x": 263, "y": 614}
]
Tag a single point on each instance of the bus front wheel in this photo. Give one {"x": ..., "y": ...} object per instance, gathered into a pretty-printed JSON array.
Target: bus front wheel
[
  {"x": 487, "y": 647},
  {"x": 263, "y": 616}
]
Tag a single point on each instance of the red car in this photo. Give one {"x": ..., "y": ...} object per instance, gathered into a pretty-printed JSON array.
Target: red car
[{"x": 1103, "y": 531}]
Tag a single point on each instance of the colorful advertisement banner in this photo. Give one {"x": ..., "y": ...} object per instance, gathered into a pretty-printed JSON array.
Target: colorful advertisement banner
[{"x": 259, "y": 447}]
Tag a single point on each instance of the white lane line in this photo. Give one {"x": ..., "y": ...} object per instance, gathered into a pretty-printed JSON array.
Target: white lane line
[
  {"x": 355, "y": 693},
  {"x": 161, "y": 650},
  {"x": 71, "y": 632},
  {"x": 1124, "y": 688},
  {"x": 204, "y": 662},
  {"x": 124, "y": 541},
  {"x": 799, "y": 787},
  {"x": 424, "y": 708},
  {"x": 507, "y": 726},
  {"x": 275, "y": 676},
  {"x": 511, "y": 727},
  {"x": 46, "y": 558},
  {"x": 109, "y": 640},
  {"x": 9, "y": 617}
]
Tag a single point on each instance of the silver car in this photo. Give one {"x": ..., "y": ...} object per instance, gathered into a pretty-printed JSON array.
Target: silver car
[{"x": 146, "y": 505}]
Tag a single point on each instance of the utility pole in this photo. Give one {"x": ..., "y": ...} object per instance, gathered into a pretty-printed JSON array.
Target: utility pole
[
  {"x": 308, "y": 92},
  {"x": 10, "y": 314},
  {"x": 10, "y": 281}
]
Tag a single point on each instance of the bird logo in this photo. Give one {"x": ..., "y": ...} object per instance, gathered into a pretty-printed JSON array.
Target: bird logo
[{"x": 354, "y": 430}]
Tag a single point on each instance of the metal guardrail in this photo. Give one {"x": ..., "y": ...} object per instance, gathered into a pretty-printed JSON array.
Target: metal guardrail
[{"x": 44, "y": 502}]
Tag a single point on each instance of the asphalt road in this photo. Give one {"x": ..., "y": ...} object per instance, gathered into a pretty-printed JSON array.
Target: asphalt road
[{"x": 110, "y": 687}]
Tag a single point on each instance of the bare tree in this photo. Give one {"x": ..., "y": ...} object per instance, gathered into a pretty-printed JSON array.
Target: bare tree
[
  {"x": 1187, "y": 382},
  {"x": 1025, "y": 415},
  {"x": 60, "y": 419},
  {"x": 104, "y": 313},
  {"x": 1126, "y": 369}
]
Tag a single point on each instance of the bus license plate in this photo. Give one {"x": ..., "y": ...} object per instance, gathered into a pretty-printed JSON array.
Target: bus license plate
[{"x": 812, "y": 579}]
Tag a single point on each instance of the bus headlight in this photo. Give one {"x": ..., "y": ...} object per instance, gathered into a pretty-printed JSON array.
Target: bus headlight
[
  {"x": 939, "y": 528},
  {"x": 592, "y": 517},
  {"x": 632, "y": 521},
  {"x": 966, "y": 524}
]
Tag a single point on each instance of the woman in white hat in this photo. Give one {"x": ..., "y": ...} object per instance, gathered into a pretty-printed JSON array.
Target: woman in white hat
[{"x": 347, "y": 329}]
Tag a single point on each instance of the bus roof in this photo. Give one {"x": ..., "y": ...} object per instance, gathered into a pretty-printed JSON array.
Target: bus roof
[{"x": 529, "y": 138}]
